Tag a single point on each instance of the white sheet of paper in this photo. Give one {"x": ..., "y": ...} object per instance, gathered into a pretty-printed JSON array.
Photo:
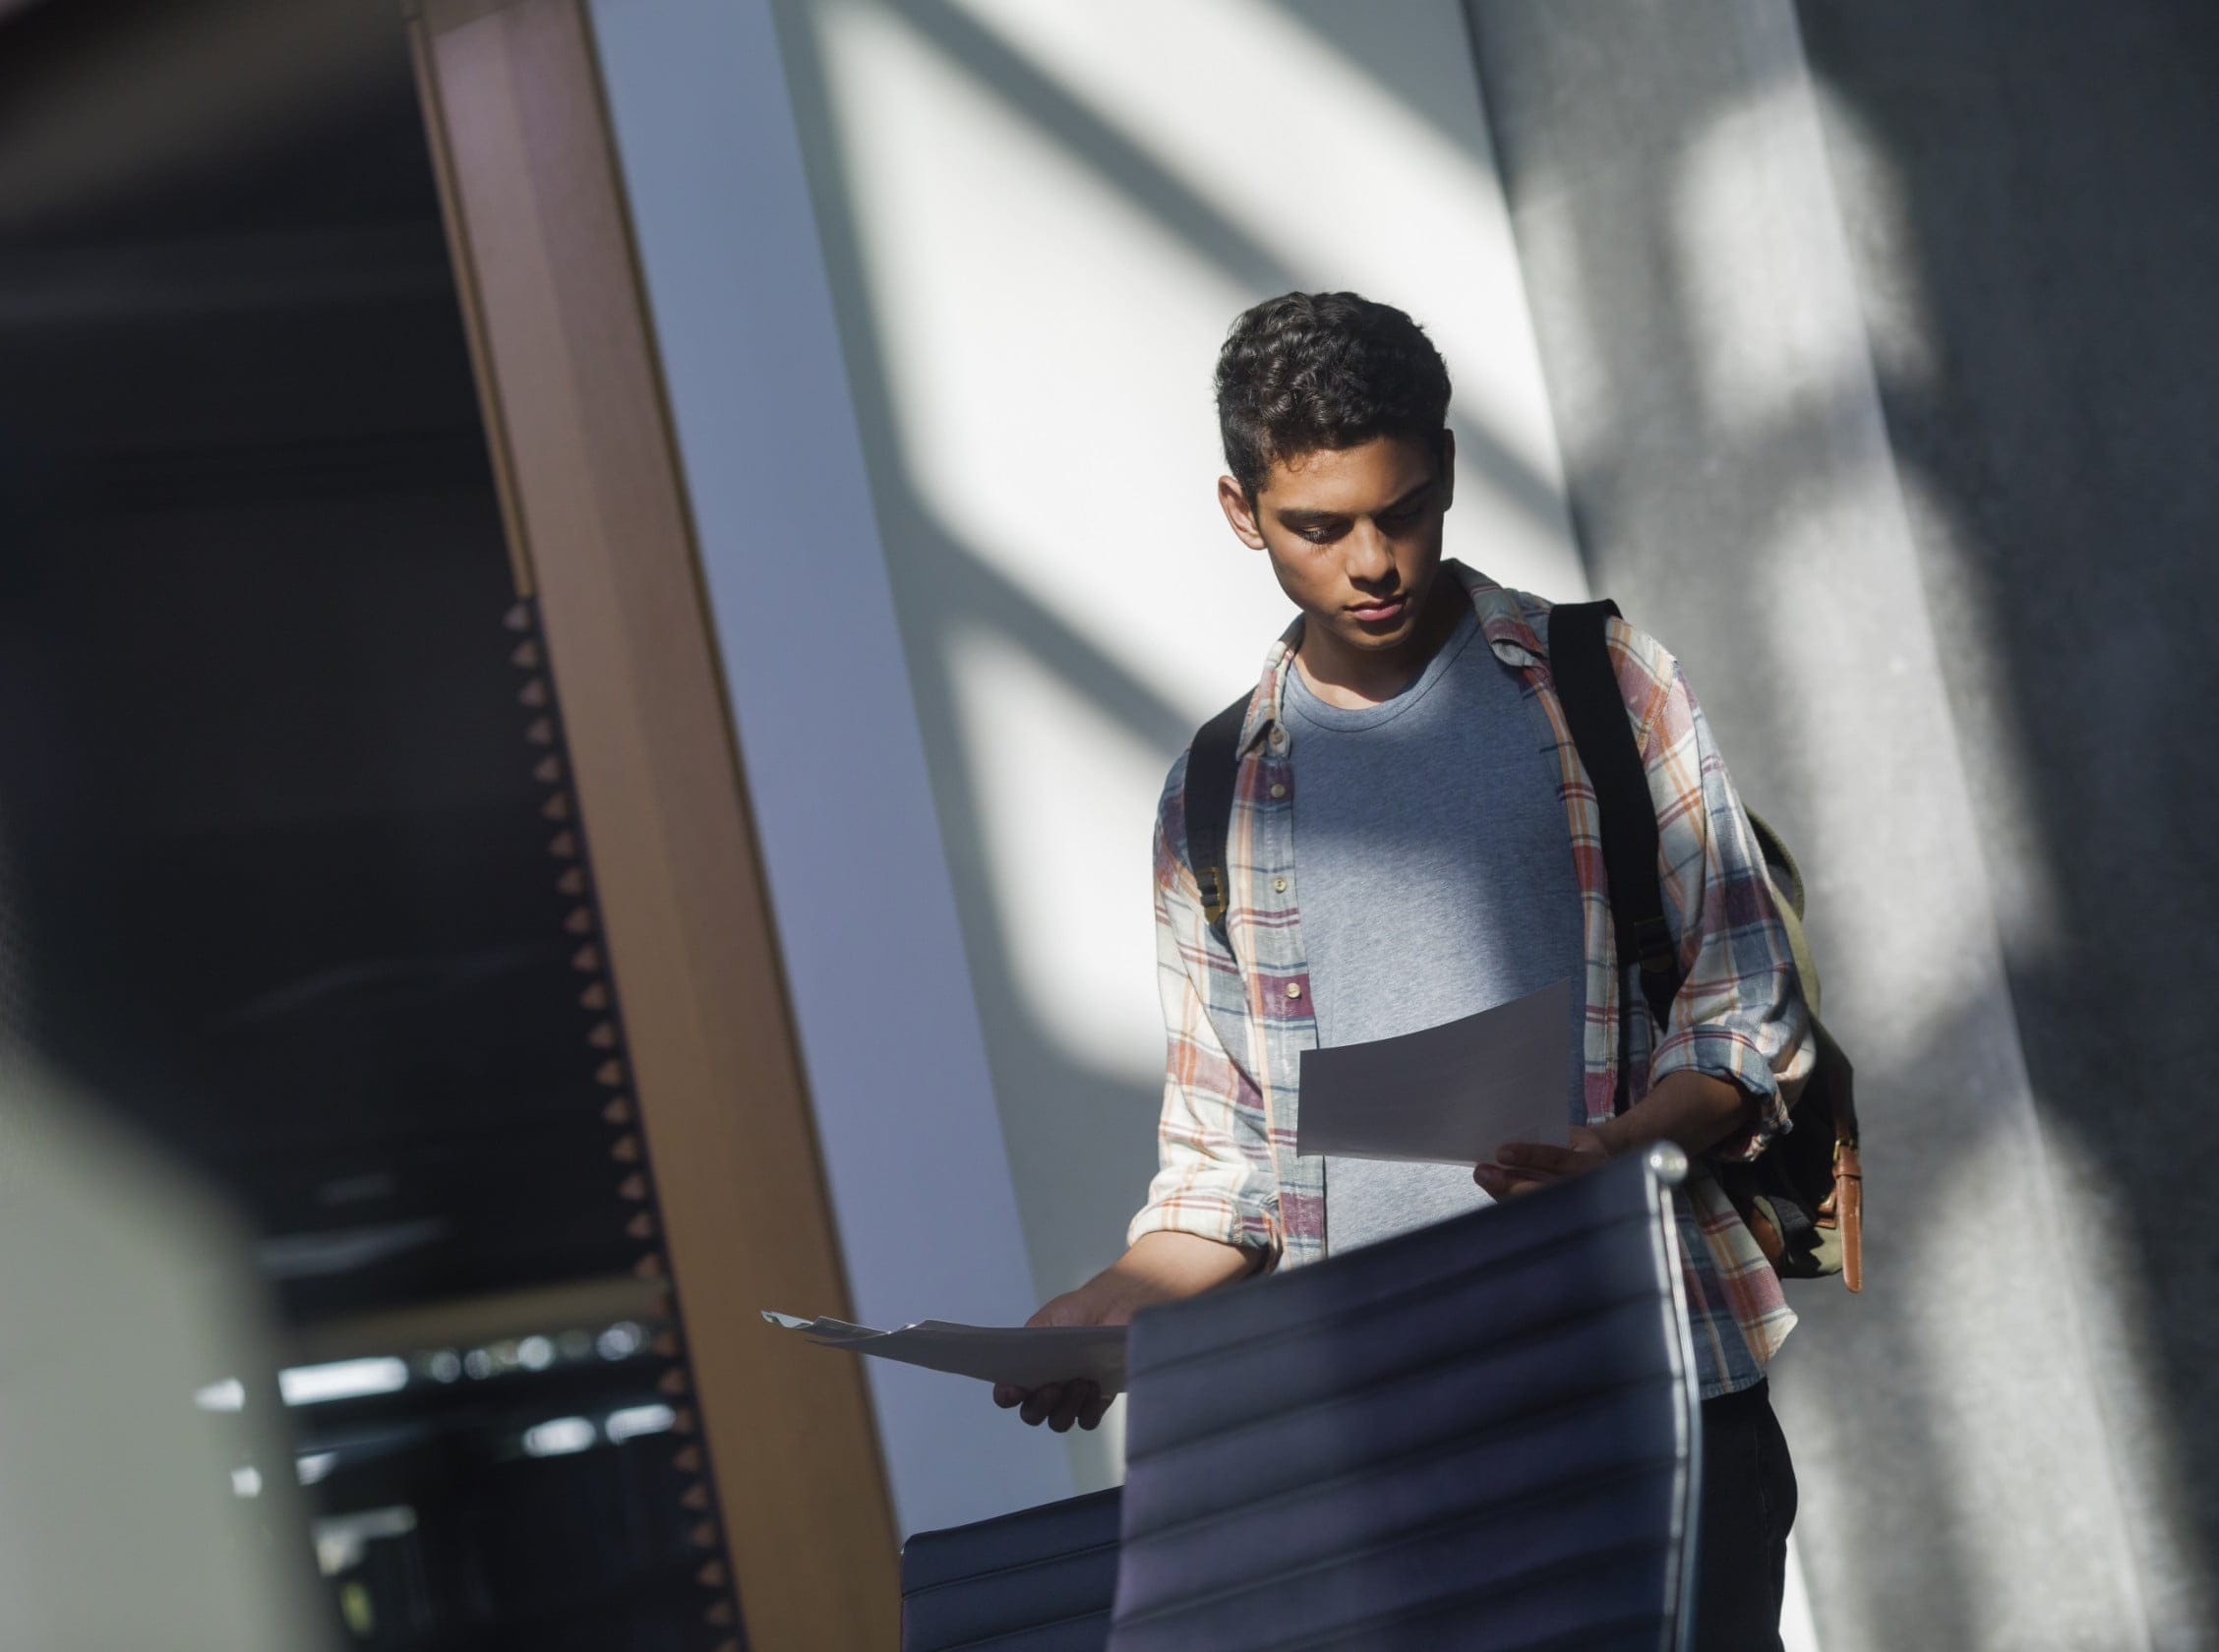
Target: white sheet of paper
[
  {"x": 1449, "y": 1094},
  {"x": 1026, "y": 1356}
]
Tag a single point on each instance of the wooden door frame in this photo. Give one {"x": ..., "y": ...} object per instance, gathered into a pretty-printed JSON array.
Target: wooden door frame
[{"x": 593, "y": 498}]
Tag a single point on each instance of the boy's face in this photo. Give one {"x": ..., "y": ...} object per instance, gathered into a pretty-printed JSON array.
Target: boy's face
[{"x": 1354, "y": 535}]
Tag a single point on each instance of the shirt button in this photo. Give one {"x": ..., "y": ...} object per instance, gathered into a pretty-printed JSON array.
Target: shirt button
[
  {"x": 1294, "y": 989},
  {"x": 1279, "y": 740},
  {"x": 1279, "y": 790},
  {"x": 1279, "y": 884}
]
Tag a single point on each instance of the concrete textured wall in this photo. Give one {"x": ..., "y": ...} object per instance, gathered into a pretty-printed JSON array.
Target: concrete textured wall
[
  {"x": 2028, "y": 194},
  {"x": 1884, "y": 584}
]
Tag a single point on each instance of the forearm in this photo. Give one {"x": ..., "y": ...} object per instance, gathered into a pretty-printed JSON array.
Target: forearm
[
  {"x": 1691, "y": 1108},
  {"x": 1165, "y": 1266}
]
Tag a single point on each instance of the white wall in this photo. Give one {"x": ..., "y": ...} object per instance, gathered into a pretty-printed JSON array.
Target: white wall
[
  {"x": 917, "y": 1177},
  {"x": 1032, "y": 223},
  {"x": 1040, "y": 219}
]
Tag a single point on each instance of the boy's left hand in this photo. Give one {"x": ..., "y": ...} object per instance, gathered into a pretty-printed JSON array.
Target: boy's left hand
[{"x": 1522, "y": 1167}]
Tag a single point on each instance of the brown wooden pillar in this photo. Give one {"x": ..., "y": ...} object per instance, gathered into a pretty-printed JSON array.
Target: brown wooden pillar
[{"x": 598, "y": 523}]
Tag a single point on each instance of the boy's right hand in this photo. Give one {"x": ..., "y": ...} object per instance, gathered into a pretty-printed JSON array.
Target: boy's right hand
[
  {"x": 1060, "y": 1404},
  {"x": 1159, "y": 1267}
]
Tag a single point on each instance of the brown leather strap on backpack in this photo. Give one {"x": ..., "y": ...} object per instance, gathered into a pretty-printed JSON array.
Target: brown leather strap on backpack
[{"x": 1849, "y": 1209}]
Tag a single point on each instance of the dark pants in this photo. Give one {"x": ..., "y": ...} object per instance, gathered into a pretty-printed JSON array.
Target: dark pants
[{"x": 1741, "y": 1539}]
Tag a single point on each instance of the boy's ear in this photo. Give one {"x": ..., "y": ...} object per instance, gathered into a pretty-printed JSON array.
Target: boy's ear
[
  {"x": 1448, "y": 467},
  {"x": 1239, "y": 512}
]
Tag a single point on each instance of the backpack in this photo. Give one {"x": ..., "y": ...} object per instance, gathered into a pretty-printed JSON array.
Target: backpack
[{"x": 1803, "y": 1198}]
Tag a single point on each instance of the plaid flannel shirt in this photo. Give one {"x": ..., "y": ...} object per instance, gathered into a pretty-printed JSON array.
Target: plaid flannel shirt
[{"x": 1237, "y": 1021}]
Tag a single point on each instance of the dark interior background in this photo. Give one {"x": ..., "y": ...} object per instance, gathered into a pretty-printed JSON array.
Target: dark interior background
[{"x": 277, "y": 823}]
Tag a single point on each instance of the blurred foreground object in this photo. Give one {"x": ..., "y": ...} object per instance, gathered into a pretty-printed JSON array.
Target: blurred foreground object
[{"x": 125, "y": 1518}]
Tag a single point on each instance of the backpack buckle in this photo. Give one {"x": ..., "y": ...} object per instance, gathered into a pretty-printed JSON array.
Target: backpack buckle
[{"x": 1211, "y": 882}]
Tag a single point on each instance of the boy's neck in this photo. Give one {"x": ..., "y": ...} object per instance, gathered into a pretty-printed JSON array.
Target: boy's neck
[{"x": 1355, "y": 680}]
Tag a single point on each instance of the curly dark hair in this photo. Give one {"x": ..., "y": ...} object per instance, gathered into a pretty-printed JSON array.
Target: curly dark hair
[{"x": 1308, "y": 371}]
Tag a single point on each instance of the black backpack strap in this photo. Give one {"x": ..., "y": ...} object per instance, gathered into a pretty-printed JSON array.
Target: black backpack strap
[
  {"x": 1212, "y": 762},
  {"x": 1587, "y": 686}
]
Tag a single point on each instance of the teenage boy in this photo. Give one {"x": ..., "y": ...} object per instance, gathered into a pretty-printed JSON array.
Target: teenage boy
[{"x": 1406, "y": 770}]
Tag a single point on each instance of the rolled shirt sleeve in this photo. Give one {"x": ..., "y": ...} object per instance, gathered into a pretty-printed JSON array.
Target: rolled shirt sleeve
[
  {"x": 1739, "y": 1014},
  {"x": 1215, "y": 1178}
]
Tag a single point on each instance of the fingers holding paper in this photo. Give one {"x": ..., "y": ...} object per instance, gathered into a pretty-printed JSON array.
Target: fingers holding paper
[
  {"x": 1059, "y": 1367},
  {"x": 1079, "y": 1400},
  {"x": 1522, "y": 1167},
  {"x": 1057, "y": 1404},
  {"x": 1158, "y": 1267}
]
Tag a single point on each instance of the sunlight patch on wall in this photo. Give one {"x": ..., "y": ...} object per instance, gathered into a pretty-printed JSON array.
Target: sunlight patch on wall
[
  {"x": 1757, "y": 365},
  {"x": 1984, "y": 718},
  {"x": 1048, "y": 345},
  {"x": 1313, "y": 159},
  {"x": 1069, "y": 878},
  {"x": 1049, "y": 337},
  {"x": 1985, "y": 1273},
  {"x": 2116, "y": 1302},
  {"x": 1798, "y": 1632}
]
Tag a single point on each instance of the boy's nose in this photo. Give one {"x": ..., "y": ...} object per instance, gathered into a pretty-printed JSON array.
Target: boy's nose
[{"x": 1370, "y": 557}]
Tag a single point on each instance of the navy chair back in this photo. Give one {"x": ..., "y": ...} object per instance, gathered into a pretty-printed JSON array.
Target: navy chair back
[
  {"x": 1038, "y": 1581},
  {"x": 1483, "y": 1435}
]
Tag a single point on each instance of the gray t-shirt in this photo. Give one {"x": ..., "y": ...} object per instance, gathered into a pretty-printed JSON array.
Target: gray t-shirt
[{"x": 1434, "y": 877}]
